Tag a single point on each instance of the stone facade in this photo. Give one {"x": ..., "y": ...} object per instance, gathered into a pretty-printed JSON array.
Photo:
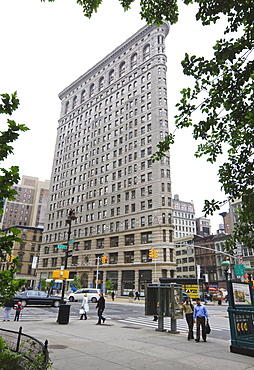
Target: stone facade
[{"x": 112, "y": 118}]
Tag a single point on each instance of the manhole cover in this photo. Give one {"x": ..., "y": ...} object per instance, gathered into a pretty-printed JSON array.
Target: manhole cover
[{"x": 57, "y": 346}]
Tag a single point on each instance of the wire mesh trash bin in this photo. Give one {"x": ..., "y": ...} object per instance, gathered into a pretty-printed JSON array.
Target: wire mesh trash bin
[{"x": 63, "y": 314}]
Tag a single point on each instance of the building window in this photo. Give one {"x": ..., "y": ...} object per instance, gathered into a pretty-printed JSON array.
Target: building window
[
  {"x": 129, "y": 257},
  {"x": 74, "y": 260},
  {"x": 113, "y": 258},
  {"x": 111, "y": 76},
  {"x": 54, "y": 262},
  {"x": 101, "y": 83},
  {"x": 142, "y": 221},
  {"x": 92, "y": 89},
  {"x": 122, "y": 69},
  {"x": 133, "y": 60},
  {"x": 129, "y": 239},
  {"x": 145, "y": 256},
  {"x": 146, "y": 237},
  {"x": 87, "y": 244},
  {"x": 146, "y": 52},
  {"x": 100, "y": 243},
  {"x": 114, "y": 241},
  {"x": 45, "y": 262}
]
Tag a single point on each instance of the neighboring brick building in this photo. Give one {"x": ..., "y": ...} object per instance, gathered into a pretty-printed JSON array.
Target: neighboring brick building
[{"x": 111, "y": 121}]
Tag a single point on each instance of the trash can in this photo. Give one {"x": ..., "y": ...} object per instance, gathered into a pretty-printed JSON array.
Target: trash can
[{"x": 63, "y": 314}]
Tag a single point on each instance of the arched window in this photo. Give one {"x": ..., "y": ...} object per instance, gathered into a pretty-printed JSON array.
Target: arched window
[
  {"x": 133, "y": 60},
  {"x": 91, "y": 90},
  {"x": 74, "y": 103},
  {"x": 146, "y": 52},
  {"x": 101, "y": 83},
  {"x": 67, "y": 107},
  {"x": 122, "y": 69},
  {"x": 111, "y": 75},
  {"x": 83, "y": 94}
]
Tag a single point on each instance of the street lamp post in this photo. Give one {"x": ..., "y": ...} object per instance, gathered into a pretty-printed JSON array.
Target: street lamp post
[{"x": 71, "y": 217}]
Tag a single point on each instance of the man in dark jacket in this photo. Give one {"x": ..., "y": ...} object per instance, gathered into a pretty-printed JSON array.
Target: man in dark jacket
[{"x": 101, "y": 308}]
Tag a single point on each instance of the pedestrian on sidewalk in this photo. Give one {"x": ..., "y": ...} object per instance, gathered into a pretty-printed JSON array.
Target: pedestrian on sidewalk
[
  {"x": 113, "y": 296},
  {"x": 18, "y": 307},
  {"x": 8, "y": 306},
  {"x": 188, "y": 310},
  {"x": 84, "y": 307},
  {"x": 137, "y": 295},
  {"x": 200, "y": 316},
  {"x": 101, "y": 308}
]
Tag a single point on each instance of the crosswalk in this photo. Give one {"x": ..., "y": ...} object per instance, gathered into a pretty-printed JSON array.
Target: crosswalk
[{"x": 147, "y": 321}]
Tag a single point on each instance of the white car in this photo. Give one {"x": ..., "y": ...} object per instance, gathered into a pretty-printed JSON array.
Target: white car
[{"x": 92, "y": 295}]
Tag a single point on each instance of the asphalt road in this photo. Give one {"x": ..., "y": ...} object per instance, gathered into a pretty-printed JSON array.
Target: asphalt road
[{"x": 131, "y": 314}]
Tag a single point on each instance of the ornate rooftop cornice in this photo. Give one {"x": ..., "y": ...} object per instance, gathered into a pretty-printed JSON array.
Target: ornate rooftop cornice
[{"x": 111, "y": 56}]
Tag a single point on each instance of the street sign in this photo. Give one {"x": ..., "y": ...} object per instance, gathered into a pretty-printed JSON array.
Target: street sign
[
  {"x": 239, "y": 270},
  {"x": 72, "y": 241},
  {"x": 62, "y": 246}
]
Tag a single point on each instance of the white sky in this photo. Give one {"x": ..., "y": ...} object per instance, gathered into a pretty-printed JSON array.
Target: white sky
[{"x": 46, "y": 46}]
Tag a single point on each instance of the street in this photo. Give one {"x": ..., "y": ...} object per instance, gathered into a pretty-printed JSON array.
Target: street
[{"x": 131, "y": 314}]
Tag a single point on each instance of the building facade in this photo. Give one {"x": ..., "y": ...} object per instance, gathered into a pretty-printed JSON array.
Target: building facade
[
  {"x": 184, "y": 217},
  {"x": 185, "y": 257},
  {"x": 111, "y": 121},
  {"x": 203, "y": 225},
  {"x": 27, "y": 252},
  {"x": 29, "y": 207}
]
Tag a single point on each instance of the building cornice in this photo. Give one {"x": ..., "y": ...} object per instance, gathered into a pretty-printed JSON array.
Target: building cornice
[{"x": 106, "y": 60}]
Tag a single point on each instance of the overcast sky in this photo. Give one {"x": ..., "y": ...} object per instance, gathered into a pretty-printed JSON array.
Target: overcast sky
[{"x": 46, "y": 46}]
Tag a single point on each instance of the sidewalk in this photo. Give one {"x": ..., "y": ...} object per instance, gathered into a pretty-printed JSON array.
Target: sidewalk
[{"x": 115, "y": 345}]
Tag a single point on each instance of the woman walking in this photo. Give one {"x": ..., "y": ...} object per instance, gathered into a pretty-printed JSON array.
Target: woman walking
[
  {"x": 84, "y": 308},
  {"x": 188, "y": 309}
]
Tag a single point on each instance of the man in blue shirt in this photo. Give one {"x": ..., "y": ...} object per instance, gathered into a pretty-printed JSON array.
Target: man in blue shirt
[{"x": 200, "y": 316}]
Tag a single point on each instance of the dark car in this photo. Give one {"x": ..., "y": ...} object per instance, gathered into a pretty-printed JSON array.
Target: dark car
[{"x": 36, "y": 298}]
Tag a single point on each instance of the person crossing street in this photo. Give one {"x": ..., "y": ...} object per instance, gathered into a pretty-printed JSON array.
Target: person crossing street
[{"x": 200, "y": 316}]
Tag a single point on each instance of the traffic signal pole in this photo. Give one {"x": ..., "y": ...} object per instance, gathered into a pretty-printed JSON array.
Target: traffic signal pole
[{"x": 71, "y": 217}]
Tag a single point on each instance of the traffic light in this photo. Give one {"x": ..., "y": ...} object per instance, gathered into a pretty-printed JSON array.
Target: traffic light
[
  {"x": 11, "y": 258},
  {"x": 151, "y": 253},
  {"x": 155, "y": 253},
  {"x": 56, "y": 274},
  {"x": 103, "y": 259},
  {"x": 65, "y": 274}
]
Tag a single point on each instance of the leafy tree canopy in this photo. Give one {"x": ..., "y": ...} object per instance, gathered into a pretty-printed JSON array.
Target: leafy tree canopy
[
  {"x": 223, "y": 94},
  {"x": 8, "y": 285}
]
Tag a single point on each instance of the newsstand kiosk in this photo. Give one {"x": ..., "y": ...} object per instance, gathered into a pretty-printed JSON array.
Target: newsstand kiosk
[{"x": 241, "y": 316}]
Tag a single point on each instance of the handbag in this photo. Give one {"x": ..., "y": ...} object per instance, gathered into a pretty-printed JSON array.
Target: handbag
[
  {"x": 207, "y": 328},
  {"x": 82, "y": 311}
]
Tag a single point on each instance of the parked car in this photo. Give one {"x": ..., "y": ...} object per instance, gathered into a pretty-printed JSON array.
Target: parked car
[
  {"x": 92, "y": 295},
  {"x": 36, "y": 298}
]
